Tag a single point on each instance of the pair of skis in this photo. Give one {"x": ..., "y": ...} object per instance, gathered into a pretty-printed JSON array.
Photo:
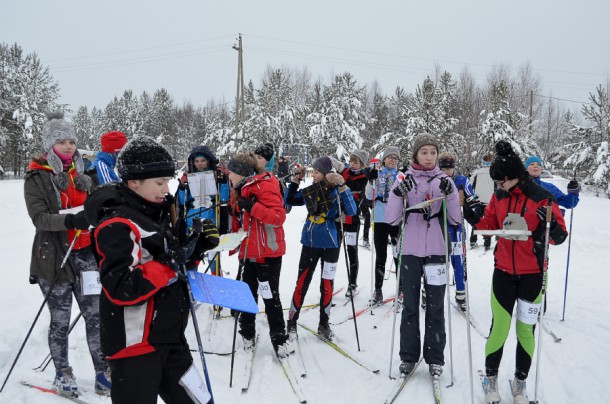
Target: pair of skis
[
  {"x": 485, "y": 385},
  {"x": 74, "y": 399},
  {"x": 401, "y": 382}
]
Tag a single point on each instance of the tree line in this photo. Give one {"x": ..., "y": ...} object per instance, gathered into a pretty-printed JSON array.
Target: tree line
[{"x": 332, "y": 116}]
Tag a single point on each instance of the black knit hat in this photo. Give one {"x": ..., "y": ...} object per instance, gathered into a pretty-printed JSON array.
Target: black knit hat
[
  {"x": 201, "y": 151},
  {"x": 265, "y": 151},
  {"x": 324, "y": 165},
  {"x": 242, "y": 164},
  {"x": 506, "y": 163},
  {"x": 143, "y": 158},
  {"x": 446, "y": 160}
]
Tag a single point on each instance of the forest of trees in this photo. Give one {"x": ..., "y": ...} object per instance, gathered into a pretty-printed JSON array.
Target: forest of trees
[{"x": 334, "y": 116}]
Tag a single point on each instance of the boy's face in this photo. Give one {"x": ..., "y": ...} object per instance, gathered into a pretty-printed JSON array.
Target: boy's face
[
  {"x": 151, "y": 189},
  {"x": 535, "y": 169},
  {"x": 200, "y": 163}
]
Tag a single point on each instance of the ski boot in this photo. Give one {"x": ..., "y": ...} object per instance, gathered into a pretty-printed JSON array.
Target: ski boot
[
  {"x": 460, "y": 299},
  {"x": 65, "y": 383},
  {"x": 490, "y": 384},
  {"x": 519, "y": 392},
  {"x": 406, "y": 367},
  {"x": 325, "y": 331},
  {"x": 435, "y": 370},
  {"x": 377, "y": 297},
  {"x": 103, "y": 383}
]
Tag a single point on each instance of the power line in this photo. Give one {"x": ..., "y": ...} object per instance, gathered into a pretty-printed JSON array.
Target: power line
[{"x": 560, "y": 99}]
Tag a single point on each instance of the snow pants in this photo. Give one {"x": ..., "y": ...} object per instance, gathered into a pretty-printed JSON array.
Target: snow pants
[
  {"x": 307, "y": 265},
  {"x": 381, "y": 233},
  {"x": 507, "y": 289},
  {"x": 412, "y": 270},
  {"x": 60, "y": 307},
  {"x": 140, "y": 379},
  {"x": 366, "y": 214},
  {"x": 264, "y": 278},
  {"x": 455, "y": 234},
  {"x": 352, "y": 253}
]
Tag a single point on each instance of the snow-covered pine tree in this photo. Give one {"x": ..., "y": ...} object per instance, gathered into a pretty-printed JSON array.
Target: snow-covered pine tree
[{"x": 335, "y": 124}]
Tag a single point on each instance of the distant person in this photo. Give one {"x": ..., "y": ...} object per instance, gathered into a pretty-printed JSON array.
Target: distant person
[
  {"x": 54, "y": 182},
  {"x": 102, "y": 169},
  {"x": 569, "y": 200},
  {"x": 283, "y": 168},
  {"x": 484, "y": 188}
]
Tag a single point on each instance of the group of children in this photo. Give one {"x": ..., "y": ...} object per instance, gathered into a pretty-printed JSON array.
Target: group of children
[{"x": 139, "y": 232}]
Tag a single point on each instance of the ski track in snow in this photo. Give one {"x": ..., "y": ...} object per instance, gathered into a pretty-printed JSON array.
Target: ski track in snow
[{"x": 572, "y": 371}]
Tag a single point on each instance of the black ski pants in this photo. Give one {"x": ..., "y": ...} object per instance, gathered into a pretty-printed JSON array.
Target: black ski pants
[
  {"x": 140, "y": 379},
  {"x": 380, "y": 234},
  {"x": 412, "y": 270},
  {"x": 264, "y": 278}
]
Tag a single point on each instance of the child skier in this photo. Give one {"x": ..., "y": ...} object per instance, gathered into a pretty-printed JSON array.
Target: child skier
[
  {"x": 533, "y": 164},
  {"x": 144, "y": 306},
  {"x": 201, "y": 159},
  {"x": 53, "y": 182},
  {"x": 259, "y": 210},
  {"x": 423, "y": 252},
  {"x": 379, "y": 190},
  {"x": 101, "y": 170},
  {"x": 518, "y": 273},
  {"x": 320, "y": 238},
  {"x": 446, "y": 162},
  {"x": 484, "y": 187},
  {"x": 356, "y": 179}
]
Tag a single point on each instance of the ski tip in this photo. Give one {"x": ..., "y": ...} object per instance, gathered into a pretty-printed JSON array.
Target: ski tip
[{"x": 375, "y": 371}]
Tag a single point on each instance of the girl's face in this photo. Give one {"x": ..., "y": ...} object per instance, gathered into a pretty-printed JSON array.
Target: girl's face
[
  {"x": 201, "y": 163},
  {"x": 355, "y": 164},
  {"x": 534, "y": 169},
  {"x": 66, "y": 146},
  {"x": 391, "y": 161},
  {"x": 426, "y": 156},
  {"x": 317, "y": 176},
  {"x": 151, "y": 189},
  {"x": 261, "y": 162}
]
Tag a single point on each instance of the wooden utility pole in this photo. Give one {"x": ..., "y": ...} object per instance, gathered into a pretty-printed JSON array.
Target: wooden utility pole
[{"x": 239, "y": 98}]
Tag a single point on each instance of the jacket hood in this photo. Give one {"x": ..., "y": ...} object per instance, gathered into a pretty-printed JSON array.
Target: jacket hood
[{"x": 205, "y": 152}]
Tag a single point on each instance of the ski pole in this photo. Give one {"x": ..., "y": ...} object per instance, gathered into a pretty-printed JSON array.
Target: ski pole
[
  {"x": 465, "y": 265},
  {"x": 349, "y": 272},
  {"x": 238, "y": 313},
  {"x": 398, "y": 271},
  {"x": 48, "y": 358},
  {"x": 545, "y": 267},
  {"x": 447, "y": 293},
  {"x": 46, "y": 298},
  {"x": 373, "y": 197},
  {"x": 565, "y": 288}
]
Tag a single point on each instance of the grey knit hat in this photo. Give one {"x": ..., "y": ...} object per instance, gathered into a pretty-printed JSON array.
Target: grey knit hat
[
  {"x": 324, "y": 165},
  {"x": 424, "y": 139},
  {"x": 362, "y": 155},
  {"x": 390, "y": 151},
  {"x": 54, "y": 130},
  {"x": 242, "y": 164}
]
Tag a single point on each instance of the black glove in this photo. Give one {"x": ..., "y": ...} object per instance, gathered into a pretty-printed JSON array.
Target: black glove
[
  {"x": 474, "y": 204},
  {"x": 208, "y": 239},
  {"x": 197, "y": 227},
  {"x": 78, "y": 221},
  {"x": 404, "y": 186},
  {"x": 573, "y": 187},
  {"x": 445, "y": 186},
  {"x": 541, "y": 212},
  {"x": 245, "y": 204},
  {"x": 373, "y": 174}
]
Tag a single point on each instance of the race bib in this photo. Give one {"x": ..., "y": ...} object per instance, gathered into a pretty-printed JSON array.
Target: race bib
[
  {"x": 436, "y": 274},
  {"x": 90, "y": 283},
  {"x": 351, "y": 238},
  {"x": 195, "y": 386},
  {"x": 527, "y": 312},
  {"x": 329, "y": 270},
  {"x": 265, "y": 290}
]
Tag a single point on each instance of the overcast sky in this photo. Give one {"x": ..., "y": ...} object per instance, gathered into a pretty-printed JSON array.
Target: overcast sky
[{"x": 98, "y": 49}]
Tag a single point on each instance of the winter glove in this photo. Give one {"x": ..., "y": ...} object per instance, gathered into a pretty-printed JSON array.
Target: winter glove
[
  {"x": 298, "y": 172},
  {"x": 473, "y": 203},
  {"x": 404, "y": 186},
  {"x": 541, "y": 212},
  {"x": 208, "y": 239},
  {"x": 373, "y": 174},
  {"x": 76, "y": 221},
  {"x": 573, "y": 187},
  {"x": 335, "y": 179},
  {"x": 245, "y": 204},
  {"x": 197, "y": 227},
  {"x": 445, "y": 186}
]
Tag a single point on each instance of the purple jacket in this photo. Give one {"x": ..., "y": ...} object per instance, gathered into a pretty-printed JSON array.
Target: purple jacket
[{"x": 423, "y": 237}]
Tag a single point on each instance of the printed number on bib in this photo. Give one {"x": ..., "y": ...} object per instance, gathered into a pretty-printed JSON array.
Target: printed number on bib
[
  {"x": 351, "y": 238},
  {"x": 195, "y": 386},
  {"x": 329, "y": 270},
  {"x": 436, "y": 274},
  {"x": 90, "y": 282},
  {"x": 265, "y": 290},
  {"x": 527, "y": 312}
]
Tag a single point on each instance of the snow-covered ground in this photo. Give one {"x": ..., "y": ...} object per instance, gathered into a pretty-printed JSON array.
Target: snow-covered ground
[{"x": 572, "y": 371}]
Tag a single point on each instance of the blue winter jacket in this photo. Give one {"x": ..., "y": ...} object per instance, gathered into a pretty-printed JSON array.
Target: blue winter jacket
[
  {"x": 324, "y": 234},
  {"x": 104, "y": 165},
  {"x": 568, "y": 201},
  {"x": 383, "y": 184}
]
